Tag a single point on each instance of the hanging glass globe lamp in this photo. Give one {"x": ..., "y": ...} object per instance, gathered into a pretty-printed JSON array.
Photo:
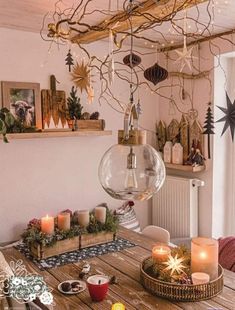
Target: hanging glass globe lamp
[{"x": 131, "y": 169}]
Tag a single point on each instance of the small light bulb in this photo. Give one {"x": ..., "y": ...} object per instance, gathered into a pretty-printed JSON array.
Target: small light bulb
[{"x": 131, "y": 181}]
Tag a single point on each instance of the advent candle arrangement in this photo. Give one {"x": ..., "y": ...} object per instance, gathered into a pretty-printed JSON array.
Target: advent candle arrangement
[
  {"x": 64, "y": 220},
  {"x": 205, "y": 256}
]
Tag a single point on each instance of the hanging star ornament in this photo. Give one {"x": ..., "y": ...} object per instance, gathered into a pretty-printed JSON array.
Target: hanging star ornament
[
  {"x": 185, "y": 58},
  {"x": 229, "y": 117},
  {"x": 81, "y": 76},
  {"x": 174, "y": 265}
]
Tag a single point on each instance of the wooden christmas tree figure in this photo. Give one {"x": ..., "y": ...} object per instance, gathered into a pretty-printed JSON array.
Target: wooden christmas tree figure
[
  {"x": 209, "y": 126},
  {"x": 69, "y": 60}
]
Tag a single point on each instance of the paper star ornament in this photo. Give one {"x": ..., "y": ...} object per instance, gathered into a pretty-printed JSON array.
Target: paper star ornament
[
  {"x": 81, "y": 76},
  {"x": 229, "y": 117},
  {"x": 185, "y": 58}
]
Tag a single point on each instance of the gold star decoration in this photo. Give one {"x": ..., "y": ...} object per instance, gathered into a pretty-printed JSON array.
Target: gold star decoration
[
  {"x": 81, "y": 76},
  {"x": 174, "y": 264},
  {"x": 185, "y": 58}
]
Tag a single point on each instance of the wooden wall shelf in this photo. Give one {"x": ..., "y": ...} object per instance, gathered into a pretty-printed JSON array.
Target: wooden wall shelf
[
  {"x": 185, "y": 168},
  {"x": 59, "y": 134}
]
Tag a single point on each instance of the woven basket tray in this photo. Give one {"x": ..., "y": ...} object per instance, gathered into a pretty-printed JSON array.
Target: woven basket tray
[{"x": 181, "y": 292}]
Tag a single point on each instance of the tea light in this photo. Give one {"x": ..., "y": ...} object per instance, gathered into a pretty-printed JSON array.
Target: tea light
[
  {"x": 64, "y": 221},
  {"x": 160, "y": 253},
  {"x": 204, "y": 256},
  {"x": 200, "y": 278},
  {"x": 100, "y": 214},
  {"x": 83, "y": 218},
  {"x": 47, "y": 225}
]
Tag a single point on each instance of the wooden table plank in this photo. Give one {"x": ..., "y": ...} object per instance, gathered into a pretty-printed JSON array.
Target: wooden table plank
[
  {"x": 70, "y": 271},
  {"x": 129, "y": 290},
  {"x": 62, "y": 302}
]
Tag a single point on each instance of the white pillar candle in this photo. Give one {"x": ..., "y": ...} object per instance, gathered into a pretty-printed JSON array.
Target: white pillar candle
[
  {"x": 64, "y": 221},
  {"x": 204, "y": 256},
  {"x": 83, "y": 218},
  {"x": 160, "y": 253},
  {"x": 47, "y": 225},
  {"x": 100, "y": 214},
  {"x": 200, "y": 278}
]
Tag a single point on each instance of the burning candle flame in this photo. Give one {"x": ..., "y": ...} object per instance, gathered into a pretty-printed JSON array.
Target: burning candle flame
[{"x": 203, "y": 255}]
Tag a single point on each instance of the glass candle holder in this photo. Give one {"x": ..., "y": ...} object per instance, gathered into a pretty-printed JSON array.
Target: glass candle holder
[
  {"x": 204, "y": 256},
  {"x": 160, "y": 253}
]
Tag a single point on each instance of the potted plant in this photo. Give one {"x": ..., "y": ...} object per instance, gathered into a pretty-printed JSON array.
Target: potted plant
[
  {"x": 74, "y": 109},
  {"x": 7, "y": 120}
]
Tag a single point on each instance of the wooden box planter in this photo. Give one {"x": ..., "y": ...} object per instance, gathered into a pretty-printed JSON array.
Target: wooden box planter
[
  {"x": 91, "y": 124},
  {"x": 94, "y": 239},
  {"x": 68, "y": 245},
  {"x": 60, "y": 247}
]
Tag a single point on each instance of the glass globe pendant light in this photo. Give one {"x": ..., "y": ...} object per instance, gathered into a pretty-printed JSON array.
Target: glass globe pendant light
[{"x": 131, "y": 169}]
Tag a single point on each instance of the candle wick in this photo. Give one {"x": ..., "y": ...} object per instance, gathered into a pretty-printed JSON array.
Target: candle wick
[{"x": 99, "y": 282}]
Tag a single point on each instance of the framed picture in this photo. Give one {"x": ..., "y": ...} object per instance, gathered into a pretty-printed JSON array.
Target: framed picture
[{"x": 24, "y": 102}]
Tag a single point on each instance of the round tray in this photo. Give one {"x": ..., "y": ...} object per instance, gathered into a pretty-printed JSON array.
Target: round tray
[{"x": 182, "y": 292}]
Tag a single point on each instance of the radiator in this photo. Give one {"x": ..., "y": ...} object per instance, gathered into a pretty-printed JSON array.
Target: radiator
[{"x": 175, "y": 207}]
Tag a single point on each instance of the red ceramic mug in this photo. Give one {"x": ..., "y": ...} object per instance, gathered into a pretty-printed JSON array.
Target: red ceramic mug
[{"x": 98, "y": 287}]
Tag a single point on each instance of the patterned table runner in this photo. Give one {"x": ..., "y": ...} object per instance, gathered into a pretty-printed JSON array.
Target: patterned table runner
[{"x": 75, "y": 256}]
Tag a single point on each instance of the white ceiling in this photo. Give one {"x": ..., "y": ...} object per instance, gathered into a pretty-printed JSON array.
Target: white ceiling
[{"x": 28, "y": 15}]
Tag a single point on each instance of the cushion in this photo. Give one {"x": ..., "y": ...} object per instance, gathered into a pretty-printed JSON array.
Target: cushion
[
  {"x": 127, "y": 217},
  {"x": 227, "y": 253}
]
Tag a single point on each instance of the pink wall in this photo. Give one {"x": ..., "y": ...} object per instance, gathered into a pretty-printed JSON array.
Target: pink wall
[
  {"x": 203, "y": 93},
  {"x": 48, "y": 175}
]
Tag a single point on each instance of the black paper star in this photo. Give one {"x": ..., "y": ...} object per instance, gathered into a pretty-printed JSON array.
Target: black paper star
[{"x": 229, "y": 117}]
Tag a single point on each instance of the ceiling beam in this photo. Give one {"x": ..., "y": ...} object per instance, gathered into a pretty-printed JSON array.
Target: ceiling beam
[
  {"x": 195, "y": 42},
  {"x": 157, "y": 9}
]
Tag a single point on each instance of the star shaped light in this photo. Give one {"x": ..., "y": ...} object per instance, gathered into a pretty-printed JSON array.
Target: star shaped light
[
  {"x": 229, "y": 117},
  {"x": 175, "y": 264}
]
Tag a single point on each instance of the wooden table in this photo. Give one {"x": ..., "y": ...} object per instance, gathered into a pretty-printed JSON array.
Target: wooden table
[{"x": 125, "y": 266}]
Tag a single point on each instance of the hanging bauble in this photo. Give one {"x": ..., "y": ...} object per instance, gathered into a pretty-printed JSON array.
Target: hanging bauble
[
  {"x": 155, "y": 74},
  {"x": 132, "y": 60}
]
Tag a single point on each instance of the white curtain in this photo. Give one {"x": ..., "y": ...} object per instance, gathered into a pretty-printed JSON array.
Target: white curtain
[
  {"x": 223, "y": 153},
  {"x": 230, "y": 207}
]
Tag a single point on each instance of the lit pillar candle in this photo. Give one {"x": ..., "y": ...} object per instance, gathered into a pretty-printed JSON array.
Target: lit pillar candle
[
  {"x": 83, "y": 218},
  {"x": 64, "y": 221},
  {"x": 100, "y": 214},
  {"x": 200, "y": 278},
  {"x": 160, "y": 253},
  {"x": 47, "y": 225},
  {"x": 204, "y": 256}
]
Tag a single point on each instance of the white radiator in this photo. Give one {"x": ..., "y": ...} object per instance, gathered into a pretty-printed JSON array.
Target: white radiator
[{"x": 175, "y": 206}]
